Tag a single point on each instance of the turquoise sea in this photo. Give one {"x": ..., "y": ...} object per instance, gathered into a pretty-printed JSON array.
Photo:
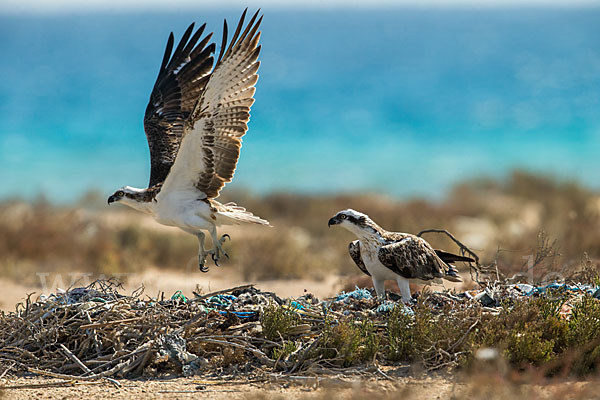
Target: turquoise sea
[{"x": 401, "y": 101}]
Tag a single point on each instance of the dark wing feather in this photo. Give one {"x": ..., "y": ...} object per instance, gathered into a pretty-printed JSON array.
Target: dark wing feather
[
  {"x": 450, "y": 258},
  {"x": 209, "y": 152},
  {"x": 225, "y": 105},
  {"x": 354, "y": 250},
  {"x": 181, "y": 79},
  {"x": 413, "y": 258}
]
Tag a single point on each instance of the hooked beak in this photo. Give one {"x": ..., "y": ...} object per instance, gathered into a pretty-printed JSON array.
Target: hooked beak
[
  {"x": 111, "y": 199},
  {"x": 332, "y": 221}
]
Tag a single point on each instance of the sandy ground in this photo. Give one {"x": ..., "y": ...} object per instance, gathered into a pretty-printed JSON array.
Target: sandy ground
[
  {"x": 189, "y": 388},
  {"x": 437, "y": 387}
]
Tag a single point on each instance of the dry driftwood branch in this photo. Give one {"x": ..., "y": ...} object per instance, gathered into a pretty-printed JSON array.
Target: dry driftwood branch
[
  {"x": 259, "y": 354},
  {"x": 233, "y": 289},
  {"x": 464, "y": 249},
  {"x": 128, "y": 356},
  {"x": 63, "y": 376},
  {"x": 74, "y": 358},
  {"x": 111, "y": 323}
]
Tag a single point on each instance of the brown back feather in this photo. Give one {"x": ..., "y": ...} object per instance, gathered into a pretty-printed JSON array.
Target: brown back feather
[{"x": 412, "y": 258}]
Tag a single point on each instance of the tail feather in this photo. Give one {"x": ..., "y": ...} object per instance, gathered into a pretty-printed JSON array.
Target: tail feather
[
  {"x": 452, "y": 274},
  {"x": 452, "y": 258},
  {"x": 231, "y": 213}
]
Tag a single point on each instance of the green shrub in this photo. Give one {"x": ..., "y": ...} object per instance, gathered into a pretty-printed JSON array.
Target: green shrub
[
  {"x": 530, "y": 331},
  {"x": 277, "y": 321},
  {"x": 401, "y": 343},
  {"x": 348, "y": 342},
  {"x": 281, "y": 353},
  {"x": 584, "y": 335}
]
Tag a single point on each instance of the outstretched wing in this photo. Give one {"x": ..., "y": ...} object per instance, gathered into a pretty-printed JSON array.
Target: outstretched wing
[
  {"x": 354, "y": 250},
  {"x": 181, "y": 79},
  {"x": 210, "y": 149},
  {"x": 412, "y": 258}
]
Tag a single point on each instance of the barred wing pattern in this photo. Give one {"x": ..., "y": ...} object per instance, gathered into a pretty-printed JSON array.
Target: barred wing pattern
[
  {"x": 412, "y": 258},
  {"x": 211, "y": 144},
  {"x": 181, "y": 79},
  {"x": 354, "y": 250}
]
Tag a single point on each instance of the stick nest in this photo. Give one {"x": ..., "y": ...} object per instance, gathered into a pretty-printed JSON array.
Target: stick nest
[{"x": 98, "y": 333}]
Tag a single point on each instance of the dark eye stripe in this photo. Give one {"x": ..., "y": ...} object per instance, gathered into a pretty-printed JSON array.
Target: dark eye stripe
[{"x": 353, "y": 220}]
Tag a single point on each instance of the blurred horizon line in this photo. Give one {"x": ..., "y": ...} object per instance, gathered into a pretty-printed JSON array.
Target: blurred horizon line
[
  {"x": 96, "y": 195},
  {"x": 42, "y": 7}
]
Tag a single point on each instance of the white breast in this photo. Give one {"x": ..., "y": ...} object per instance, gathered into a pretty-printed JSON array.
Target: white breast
[
  {"x": 183, "y": 209},
  {"x": 369, "y": 252}
]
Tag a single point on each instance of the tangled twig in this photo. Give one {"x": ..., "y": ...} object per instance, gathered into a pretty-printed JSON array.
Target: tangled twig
[{"x": 464, "y": 250}]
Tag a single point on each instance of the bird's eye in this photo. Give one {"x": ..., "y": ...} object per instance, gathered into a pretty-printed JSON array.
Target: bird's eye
[
  {"x": 343, "y": 216},
  {"x": 120, "y": 193}
]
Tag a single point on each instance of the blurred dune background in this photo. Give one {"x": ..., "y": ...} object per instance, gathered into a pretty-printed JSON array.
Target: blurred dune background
[{"x": 480, "y": 120}]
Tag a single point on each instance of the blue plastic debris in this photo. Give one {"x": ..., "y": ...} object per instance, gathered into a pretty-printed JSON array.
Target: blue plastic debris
[
  {"x": 572, "y": 288},
  {"x": 388, "y": 306},
  {"x": 178, "y": 295},
  {"x": 357, "y": 294},
  {"x": 221, "y": 300},
  {"x": 240, "y": 314},
  {"x": 297, "y": 306},
  {"x": 528, "y": 290}
]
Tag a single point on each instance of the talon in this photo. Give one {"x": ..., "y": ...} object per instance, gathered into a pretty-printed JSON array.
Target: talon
[
  {"x": 223, "y": 237},
  {"x": 215, "y": 259},
  {"x": 201, "y": 266},
  {"x": 223, "y": 253},
  {"x": 202, "y": 261}
]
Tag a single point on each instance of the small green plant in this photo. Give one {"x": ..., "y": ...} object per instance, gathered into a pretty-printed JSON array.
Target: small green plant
[
  {"x": 281, "y": 353},
  {"x": 584, "y": 335},
  {"x": 277, "y": 321},
  {"x": 527, "y": 346},
  {"x": 401, "y": 342},
  {"x": 347, "y": 343}
]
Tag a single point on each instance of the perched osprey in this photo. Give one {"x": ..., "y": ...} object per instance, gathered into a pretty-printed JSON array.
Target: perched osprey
[
  {"x": 402, "y": 257},
  {"x": 194, "y": 124}
]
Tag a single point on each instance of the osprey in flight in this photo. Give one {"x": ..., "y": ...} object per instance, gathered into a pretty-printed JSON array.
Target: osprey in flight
[
  {"x": 194, "y": 124},
  {"x": 402, "y": 257}
]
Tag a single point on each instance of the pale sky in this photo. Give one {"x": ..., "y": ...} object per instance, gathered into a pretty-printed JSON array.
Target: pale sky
[{"x": 61, "y": 6}]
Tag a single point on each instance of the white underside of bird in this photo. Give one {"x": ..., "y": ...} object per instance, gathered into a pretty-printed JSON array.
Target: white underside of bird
[{"x": 379, "y": 272}]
